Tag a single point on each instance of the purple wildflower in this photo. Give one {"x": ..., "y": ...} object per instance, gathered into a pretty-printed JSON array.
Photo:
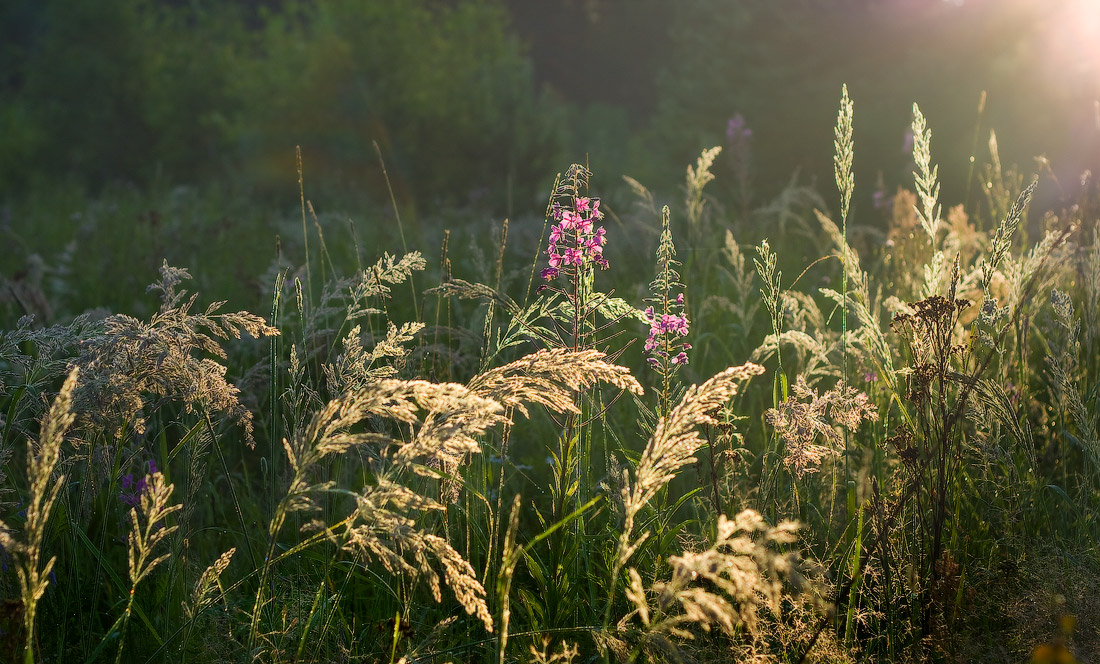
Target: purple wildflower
[
  {"x": 881, "y": 201},
  {"x": 736, "y": 129},
  {"x": 133, "y": 488}
]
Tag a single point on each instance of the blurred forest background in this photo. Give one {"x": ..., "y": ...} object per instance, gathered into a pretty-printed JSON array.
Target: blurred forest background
[{"x": 477, "y": 103}]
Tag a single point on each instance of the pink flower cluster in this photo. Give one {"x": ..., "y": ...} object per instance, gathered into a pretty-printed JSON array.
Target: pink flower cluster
[
  {"x": 575, "y": 239},
  {"x": 663, "y": 329}
]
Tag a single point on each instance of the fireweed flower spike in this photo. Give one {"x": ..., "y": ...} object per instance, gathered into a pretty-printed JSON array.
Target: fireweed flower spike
[
  {"x": 575, "y": 240},
  {"x": 668, "y": 323}
]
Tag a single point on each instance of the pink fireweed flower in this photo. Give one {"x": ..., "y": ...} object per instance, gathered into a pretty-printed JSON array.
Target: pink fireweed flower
[
  {"x": 664, "y": 330},
  {"x": 668, "y": 321},
  {"x": 557, "y": 234},
  {"x": 673, "y": 323},
  {"x": 576, "y": 241}
]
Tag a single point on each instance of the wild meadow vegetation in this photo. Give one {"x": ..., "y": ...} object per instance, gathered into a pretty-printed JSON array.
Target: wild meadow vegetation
[{"x": 602, "y": 433}]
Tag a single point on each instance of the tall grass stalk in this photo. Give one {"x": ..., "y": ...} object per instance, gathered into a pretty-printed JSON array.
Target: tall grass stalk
[
  {"x": 400, "y": 225},
  {"x": 844, "y": 153},
  {"x": 149, "y": 527},
  {"x": 34, "y": 576}
]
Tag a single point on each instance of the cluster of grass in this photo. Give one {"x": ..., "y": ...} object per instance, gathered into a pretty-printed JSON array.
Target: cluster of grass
[{"x": 484, "y": 457}]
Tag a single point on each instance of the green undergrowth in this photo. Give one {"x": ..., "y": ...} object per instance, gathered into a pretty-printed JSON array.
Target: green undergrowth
[{"x": 636, "y": 427}]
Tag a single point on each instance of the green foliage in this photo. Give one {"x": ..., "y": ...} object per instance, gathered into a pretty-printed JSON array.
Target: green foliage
[
  {"x": 486, "y": 472},
  {"x": 184, "y": 92}
]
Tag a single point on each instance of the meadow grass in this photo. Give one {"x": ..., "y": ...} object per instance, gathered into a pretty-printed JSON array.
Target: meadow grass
[{"x": 600, "y": 434}]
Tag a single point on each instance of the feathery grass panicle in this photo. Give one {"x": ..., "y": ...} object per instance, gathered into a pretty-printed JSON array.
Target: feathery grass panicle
[
  {"x": 355, "y": 367},
  {"x": 1024, "y": 276},
  {"x": 805, "y": 416},
  {"x": 645, "y": 200},
  {"x": 374, "y": 282},
  {"x": 551, "y": 379},
  {"x": 697, "y": 178},
  {"x": 44, "y": 489},
  {"x": 203, "y": 594},
  {"x": 447, "y": 419},
  {"x": 384, "y": 530},
  {"x": 992, "y": 406},
  {"x": 870, "y": 334},
  {"x": 1063, "y": 367},
  {"x": 676, "y": 440},
  {"x": 329, "y": 431},
  {"x": 1002, "y": 240},
  {"x": 844, "y": 152},
  {"x": 565, "y": 654},
  {"x": 765, "y": 267},
  {"x": 740, "y": 276},
  {"x": 32, "y": 359},
  {"x": 131, "y": 360},
  {"x": 672, "y": 446},
  {"x": 740, "y": 565},
  {"x": 149, "y": 527},
  {"x": 510, "y": 556},
  {"x": 383, "y": 526},
  {"x": 723, "y": 586},
  {"x": 927, "y": 177}
]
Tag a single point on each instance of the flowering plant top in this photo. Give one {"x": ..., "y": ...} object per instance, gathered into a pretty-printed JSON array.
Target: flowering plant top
[{"x": 576, "y": 242}]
